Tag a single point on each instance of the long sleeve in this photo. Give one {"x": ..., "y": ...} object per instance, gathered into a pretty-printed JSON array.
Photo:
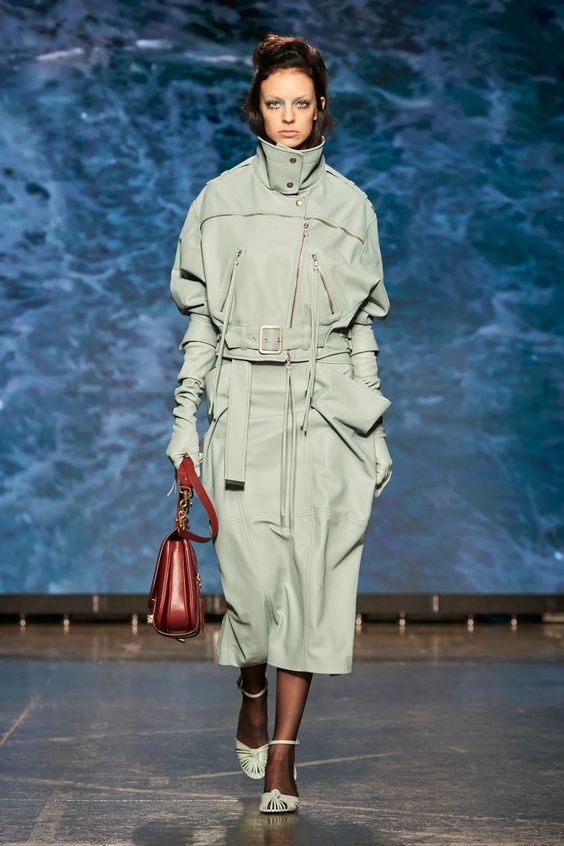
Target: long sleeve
[
  {"x": 189, "y": 292},
  {"x": 363, "y": 343}
]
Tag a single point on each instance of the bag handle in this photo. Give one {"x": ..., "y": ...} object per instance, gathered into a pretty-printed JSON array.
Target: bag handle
[{"x": 190, "y": 480}]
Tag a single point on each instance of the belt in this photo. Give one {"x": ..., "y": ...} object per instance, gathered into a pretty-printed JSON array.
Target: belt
[
  {"x": 269, "y": 338},
  {"x": 269, "y": 342}
]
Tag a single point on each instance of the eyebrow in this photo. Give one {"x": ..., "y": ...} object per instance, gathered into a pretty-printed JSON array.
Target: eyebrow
[{"x": 274, "y": 97}]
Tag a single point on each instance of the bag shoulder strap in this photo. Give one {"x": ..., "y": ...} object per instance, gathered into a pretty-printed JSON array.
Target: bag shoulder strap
[{"x": 188, "y": 478}]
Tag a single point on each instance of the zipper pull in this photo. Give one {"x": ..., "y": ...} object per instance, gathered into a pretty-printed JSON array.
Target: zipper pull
[
  {"x": 323, "y": 282},
  {"x": 235, "y": 262}
]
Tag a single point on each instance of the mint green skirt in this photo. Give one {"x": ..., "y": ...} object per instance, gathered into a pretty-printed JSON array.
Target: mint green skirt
[{"x": 290, "y": 539}]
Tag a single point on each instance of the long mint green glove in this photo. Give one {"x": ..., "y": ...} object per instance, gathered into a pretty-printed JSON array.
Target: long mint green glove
[
  {"x": 189, "y": 292},
  {"x": 199, "y": 354},
  {"x": 364, "y": 347}
]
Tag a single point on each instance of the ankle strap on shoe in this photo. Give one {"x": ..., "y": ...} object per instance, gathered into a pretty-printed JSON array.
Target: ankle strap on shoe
[{"x": 295, "y": 742}]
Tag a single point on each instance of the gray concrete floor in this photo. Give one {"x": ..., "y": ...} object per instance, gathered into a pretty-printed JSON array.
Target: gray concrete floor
[{"x": 440, "y": 735}]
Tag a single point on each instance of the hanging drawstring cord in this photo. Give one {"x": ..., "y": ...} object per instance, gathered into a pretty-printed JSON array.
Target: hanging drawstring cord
[
  {"x": 174, "y": 484},
  {"x": 221, "y": 345},
  {"x": 287, "y": 473},
  {"x": 288, "y": 480},
  {"x": 293, "y": 455},
  {"x": 314, "y": 333},
  {"x": 283, "y": 470}
]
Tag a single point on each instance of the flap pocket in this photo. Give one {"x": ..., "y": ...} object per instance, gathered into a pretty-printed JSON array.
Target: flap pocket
[{"x": 341, "y": 398}]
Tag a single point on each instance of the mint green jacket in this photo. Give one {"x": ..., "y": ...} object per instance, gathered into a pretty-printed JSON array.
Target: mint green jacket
[{"x": 279, "y": 259}]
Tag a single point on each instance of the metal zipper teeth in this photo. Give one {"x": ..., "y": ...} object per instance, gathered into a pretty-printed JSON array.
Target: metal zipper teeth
[
  {"x": 235, "y": 262},
  {"x": 318, "y": 268},
  {"x": 304, "y": 230},
  {"x": 338, "y": 226},
  {"x": 281, "y": 214}
]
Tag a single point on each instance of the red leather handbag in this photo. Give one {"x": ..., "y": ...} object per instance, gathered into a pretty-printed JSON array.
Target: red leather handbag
[{"x": 176, "y": 604}]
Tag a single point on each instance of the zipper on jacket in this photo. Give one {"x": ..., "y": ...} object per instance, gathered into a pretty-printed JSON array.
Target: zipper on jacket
[
  {"x": 235, "y": 262},
  {"x": 317, "y": 267},
  {"x": 283, "y": 214},
  {"x": 338, "y": 226},
  {"x": 304, "y": 233}
]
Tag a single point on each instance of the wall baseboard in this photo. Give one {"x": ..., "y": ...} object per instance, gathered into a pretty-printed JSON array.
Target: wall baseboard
[{"x": 389, "y": 607}]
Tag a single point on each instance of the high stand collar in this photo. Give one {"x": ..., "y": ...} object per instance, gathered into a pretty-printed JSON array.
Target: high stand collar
[{"x": 284, "y": 169}]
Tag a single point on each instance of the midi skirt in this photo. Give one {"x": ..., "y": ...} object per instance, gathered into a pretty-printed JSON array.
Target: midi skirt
[{"x": 290, "y": 585}]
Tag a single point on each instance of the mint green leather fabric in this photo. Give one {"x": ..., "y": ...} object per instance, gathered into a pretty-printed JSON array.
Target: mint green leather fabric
[{"x": 278, "y": 266}]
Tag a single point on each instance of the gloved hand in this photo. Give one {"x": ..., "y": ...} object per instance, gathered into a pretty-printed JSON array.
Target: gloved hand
[
  {"x": 185, "y": 441},
  {"x": 383, "y": 459},
  {"x": 364, "y": 352}
]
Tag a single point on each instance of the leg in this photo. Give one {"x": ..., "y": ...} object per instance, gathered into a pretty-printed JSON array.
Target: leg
[
  {"x": 292, "y": 690},
  {"x": 252, "y": 728}
]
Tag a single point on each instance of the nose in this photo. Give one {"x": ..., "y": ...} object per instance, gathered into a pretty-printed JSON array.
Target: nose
[{"x": 288, "y": 116}]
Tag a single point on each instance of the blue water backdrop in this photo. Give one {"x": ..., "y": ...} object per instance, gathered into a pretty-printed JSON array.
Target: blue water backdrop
[{"x": 451, "y": 116}]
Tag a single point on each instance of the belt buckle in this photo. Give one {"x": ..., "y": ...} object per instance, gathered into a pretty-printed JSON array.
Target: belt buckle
[{"x": 280, "y": 337}]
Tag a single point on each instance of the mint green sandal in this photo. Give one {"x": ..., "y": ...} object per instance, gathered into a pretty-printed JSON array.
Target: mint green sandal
[
  {"x": 272, "y": 801},
  {"x": 252, "y": 759}
]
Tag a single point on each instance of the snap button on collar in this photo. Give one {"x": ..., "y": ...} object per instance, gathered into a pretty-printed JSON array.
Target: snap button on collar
[{"x": 272, "y": 166}]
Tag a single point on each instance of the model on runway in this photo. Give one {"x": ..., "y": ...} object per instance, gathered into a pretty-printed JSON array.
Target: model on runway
[{"x": 278, "y": 266}]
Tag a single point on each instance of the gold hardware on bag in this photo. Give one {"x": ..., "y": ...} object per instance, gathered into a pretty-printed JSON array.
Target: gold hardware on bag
[{"x": 184, "y": 504}]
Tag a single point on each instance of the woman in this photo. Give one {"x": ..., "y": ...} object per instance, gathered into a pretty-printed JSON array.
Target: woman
[{"x": 278, "y": 266}]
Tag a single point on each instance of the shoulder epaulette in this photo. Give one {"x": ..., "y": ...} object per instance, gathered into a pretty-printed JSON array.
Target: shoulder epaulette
[
  {"x": 351, "y": 184},
  {"x": 347, "y": 181}
]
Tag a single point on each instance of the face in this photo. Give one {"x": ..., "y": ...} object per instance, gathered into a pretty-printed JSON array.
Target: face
[{"x": 288, "y": 106}]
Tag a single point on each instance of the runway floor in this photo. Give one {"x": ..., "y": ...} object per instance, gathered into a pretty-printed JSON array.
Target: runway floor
[{"x": 440, "y": 736}]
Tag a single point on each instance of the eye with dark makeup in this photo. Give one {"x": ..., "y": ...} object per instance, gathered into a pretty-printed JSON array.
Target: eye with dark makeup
[{"x": 302, "y": 104}]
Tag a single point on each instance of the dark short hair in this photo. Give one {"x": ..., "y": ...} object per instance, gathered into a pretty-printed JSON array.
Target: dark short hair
[{"x": 283, "y": 52}]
